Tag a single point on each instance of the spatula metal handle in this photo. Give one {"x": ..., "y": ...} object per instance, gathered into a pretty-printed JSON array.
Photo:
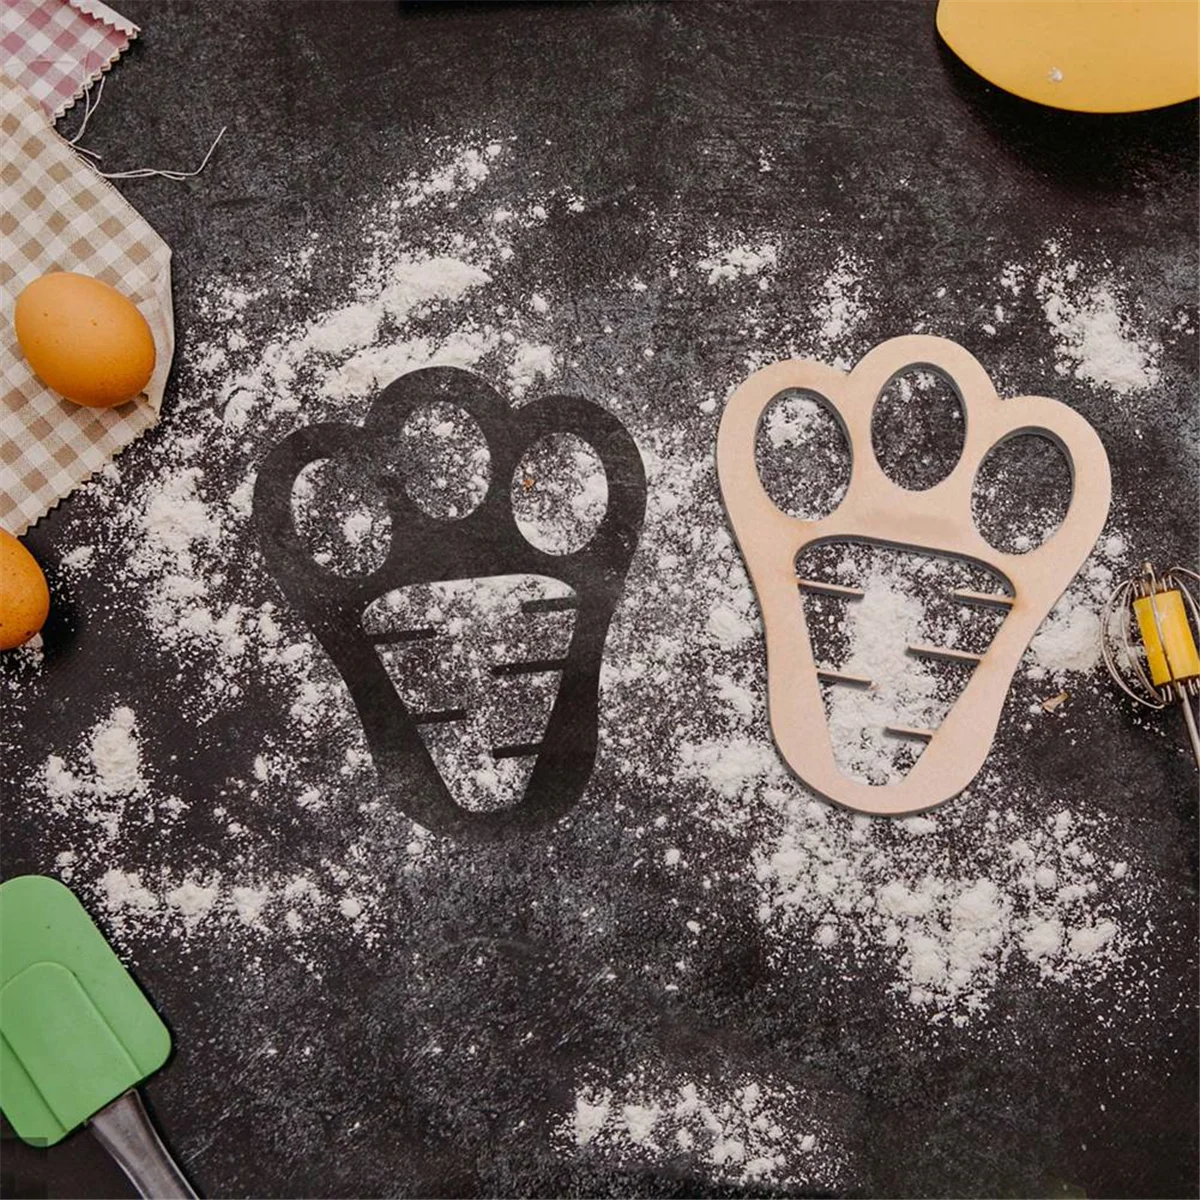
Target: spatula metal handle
[{"x": 124, "y": 1130}]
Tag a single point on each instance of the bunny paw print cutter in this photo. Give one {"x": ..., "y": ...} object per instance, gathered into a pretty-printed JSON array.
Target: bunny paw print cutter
[
  {"x": 936, "y": 521},
  {"x": 364, "y": 622}
]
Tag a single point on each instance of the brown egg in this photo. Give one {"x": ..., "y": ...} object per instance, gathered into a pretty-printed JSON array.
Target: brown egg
[
  {"x": 84, "y": 339},
  {"x": 24, "y": 597}
]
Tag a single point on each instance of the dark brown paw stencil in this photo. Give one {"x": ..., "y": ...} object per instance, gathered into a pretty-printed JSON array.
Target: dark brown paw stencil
[{"x": 393, "y": 633}]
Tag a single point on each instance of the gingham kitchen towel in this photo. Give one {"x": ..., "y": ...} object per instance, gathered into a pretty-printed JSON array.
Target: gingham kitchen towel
[
  {"x": 57, "y": 214},
  {"x": 56, "y": 49}
]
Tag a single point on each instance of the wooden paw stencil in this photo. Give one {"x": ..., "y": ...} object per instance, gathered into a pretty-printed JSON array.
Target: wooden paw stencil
[{"x": 937, "y": 520}]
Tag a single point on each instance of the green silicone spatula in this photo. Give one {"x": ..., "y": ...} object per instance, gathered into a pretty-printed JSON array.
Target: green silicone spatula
[{"x": 77, "y": 1035}]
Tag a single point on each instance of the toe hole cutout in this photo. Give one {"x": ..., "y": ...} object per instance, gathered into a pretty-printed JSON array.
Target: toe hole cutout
[
  {"x": 341, "y": 518},
  {"x": 802, "y": 455},
  {"x": 559, "y": 494},
  {"x": 1021, "y": 493},
  {"x": 917, "y": 428},
  {"x": 444, "y": 461}
]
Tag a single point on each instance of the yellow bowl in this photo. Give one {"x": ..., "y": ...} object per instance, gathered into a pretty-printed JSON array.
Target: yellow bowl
[{"x": 1103, "y": 56}]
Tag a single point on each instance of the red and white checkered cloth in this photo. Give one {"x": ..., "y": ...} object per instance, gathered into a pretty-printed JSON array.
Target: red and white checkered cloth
[
  {"x": 56, "y": 49},
  {"x": 57, "y": 214}
]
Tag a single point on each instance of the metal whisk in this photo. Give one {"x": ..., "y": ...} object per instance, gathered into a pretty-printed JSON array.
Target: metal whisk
[{"x": 1164, "y": 668}]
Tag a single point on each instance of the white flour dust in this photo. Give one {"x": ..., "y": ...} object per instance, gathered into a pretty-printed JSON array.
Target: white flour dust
[
  {"x": 740, "y": 1132},
  {"x": 486, "y": 625},
  {"x": 106, "y": 779},
  {"x": 1095, "y": 339},
  {"x": 1004, "y": 881},
  {"x": 840, "y": 310},
  {"x": 1036, "y": 894},
  {"x": 737, "y": 261},
  {"x": 106, "y": 805},
  {"x": 903, "y": 691}
]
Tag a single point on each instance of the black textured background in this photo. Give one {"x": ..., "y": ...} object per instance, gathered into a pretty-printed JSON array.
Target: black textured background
[{"x": 642, "y": 107}]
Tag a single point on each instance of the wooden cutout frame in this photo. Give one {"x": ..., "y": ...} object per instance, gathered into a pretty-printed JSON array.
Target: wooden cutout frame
[{"x": 937, "y": 519}]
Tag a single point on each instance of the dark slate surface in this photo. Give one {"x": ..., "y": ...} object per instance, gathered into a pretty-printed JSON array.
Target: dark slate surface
[{"x": 651, "y": 107}]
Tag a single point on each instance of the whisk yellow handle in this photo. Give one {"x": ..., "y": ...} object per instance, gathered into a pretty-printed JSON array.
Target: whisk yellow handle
[{"x": 1167, "y": 637}]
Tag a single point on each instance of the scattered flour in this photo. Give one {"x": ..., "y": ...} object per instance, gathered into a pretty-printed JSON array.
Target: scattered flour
[
  {"x": 792, "y": 422},
  {"x": 739, "y": 261},
  {"x": 1067, "y": 646},
  {"x": 840, "y": 310},
  {"x": 116, "y": 756},
  {"x": 1068, "y": 641},
  {"x": 738, "y": 1132},
  {"x": 530, "y": 365},
  {"x": 104, "y": 787},
  {"x": 106, "y": 779},
  {"x": 1095, "y": 340},
  {"x": 1033, "y": 895},
  {"x": 461, "y": 173},
  {"x": 879, "y": 629}
]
